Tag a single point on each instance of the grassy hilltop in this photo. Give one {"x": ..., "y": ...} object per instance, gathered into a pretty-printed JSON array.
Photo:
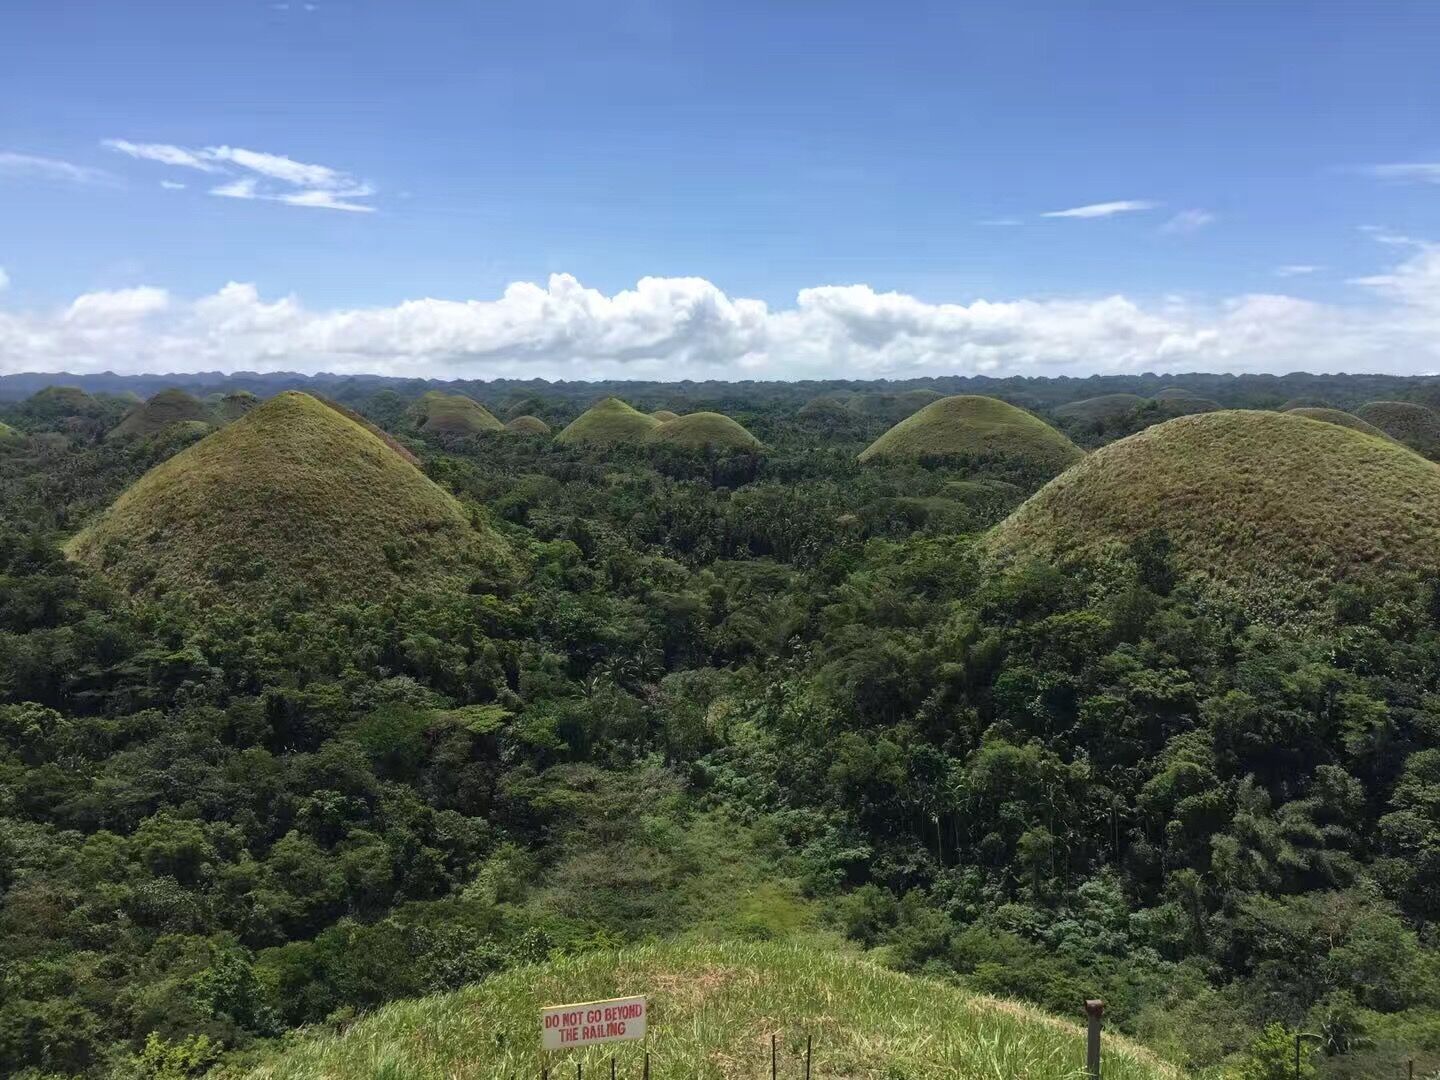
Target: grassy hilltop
[
  {"x": 292, "y": 494},
  {"x": 528, "y": 425},
  {"x": 1404, "y": 421},
  {"x": 1244, "y": 497},
  {"x": 702, "y": 430},
  {"x": 712, "y": 1011},
  {"x": 1337, "y": 416},
  {"x": 165, "y": 408},
  {"x": 608, "y": 423},
  {"x": 454, "y": 414},
  {"x": 976, "y": 427}
]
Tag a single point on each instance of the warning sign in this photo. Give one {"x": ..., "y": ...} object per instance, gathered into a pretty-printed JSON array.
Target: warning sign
[{"x": 564, "y": 1027}]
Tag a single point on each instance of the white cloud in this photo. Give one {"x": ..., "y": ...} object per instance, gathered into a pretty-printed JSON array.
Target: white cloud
[
  {"x": 999, "y": 221},
  {"x": 13, "y": 164},
  {"x": 255, "y": 174},
  {"x": 1104, "y": 209},
  {"x": 172, "y": 185},
  {"x": 1426, "y": 172},
  {"x": 1297, "y": 270},
  {"x": 674, "y": 328},
  {"x": 1189, "y": 221}
]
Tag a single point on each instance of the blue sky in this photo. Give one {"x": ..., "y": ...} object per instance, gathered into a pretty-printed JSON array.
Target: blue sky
[{"x": 766, "y": 148}]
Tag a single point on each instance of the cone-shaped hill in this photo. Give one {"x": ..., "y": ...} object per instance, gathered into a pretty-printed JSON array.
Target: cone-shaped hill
[
  {"x": 1100, "y": 409},
  {"x": 454, "y": 414},
  {"x": 1177, "y": 401},
  {"x": 1271, "y": 503},
  {"x": 235, "y": 405},
  {"x": 1337, "y": 416},
  {"x": 981, "y": 428},
  {"x": 665, "y": 415},
  {"x": 1305, "y": 403},
  {"x": 54, "y": 402},
  {"x": 165, "y": 408},
  {"x": 528, "y": 425},
  {"x": 1404, "y": 421},
  {"x": 608, "y": 423},
  {"x": 704, "y": 430},
  {"x": 292, "y": 496}
]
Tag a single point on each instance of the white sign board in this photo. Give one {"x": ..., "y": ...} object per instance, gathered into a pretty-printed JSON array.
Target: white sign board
[{"x": 565, "y": 1027}]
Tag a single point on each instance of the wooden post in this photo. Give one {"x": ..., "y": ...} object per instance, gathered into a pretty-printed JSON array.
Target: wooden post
[
  {"x": 808, "y": 1040},
  {"x": 1095, "y": 1010},
  {"x": 772, "y": 1056},
  {"x": 646, "y": 1074}
]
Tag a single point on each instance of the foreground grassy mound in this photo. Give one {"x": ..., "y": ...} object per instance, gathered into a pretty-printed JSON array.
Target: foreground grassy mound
[
  {"x": 1248, "y": 499},
  {"x": 1338, "y": 416},
  {"x": 704, "y": 430},
  {"x": 454, "y": 414},
  {"x": 291, "y": 497},
  {"x": 713, "y": 1009},
  {"x": 1404, "y": 421},
  {"x": 608, "y": 423},
  {"x": 374, "y": 429},
  {"x": 977, "y": 427},
  {"x": 165, "y": 408},
  {"x": 528, "y": 425},
  {"x": 1097, "y": 410}
]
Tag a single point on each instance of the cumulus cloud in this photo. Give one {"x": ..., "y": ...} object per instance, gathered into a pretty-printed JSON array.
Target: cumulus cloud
[
  {"x": 46, "y": 168},
  {"x": 255, "y": 174},
  {"x": 1189, "y": 221},
  {"x": 1104, "y": 209},
  {"x": 673, "y": 328}
]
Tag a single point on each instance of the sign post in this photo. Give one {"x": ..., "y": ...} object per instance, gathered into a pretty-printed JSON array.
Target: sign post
[{"x": 590, "y": 1023}]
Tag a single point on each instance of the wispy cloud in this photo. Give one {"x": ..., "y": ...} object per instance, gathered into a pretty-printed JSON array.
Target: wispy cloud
[
  {"x": 14, "y": 164},
  {"x": 1002, "y": 221},
  {"x": 1297, "y": 270},
  {"x": 255, "y": 174},
  {"x": 1103, "y": 209},
  {"x": 1189, "y": 221},
  {"x": 172, "y": 185},
  {"x": 1424, "y": 172}
]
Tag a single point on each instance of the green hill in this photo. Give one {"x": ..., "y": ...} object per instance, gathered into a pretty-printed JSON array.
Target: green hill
[
  {"x": 712, "y": 1011},
  {"x": 528, "y": 425},
  {"x": 165, "y": 408},
  {"x": 1177, "y": 401},
  {"x": 293, "y": 495},
  {"x": 235, "y": 405},
  {"x": 608, "y": 423},
  {"x": 374, "y": 429},
  {"x": 1337, "y": 416},
  {"x": 1404, "y": 421},
  {"x": 665, "y": 415},
  {"x": 54, "y": 402},
  {"x": 1305, "y": 403},
  {"x": 704, "y": 430},
  {"x": 454, "y": 414},
  {"x": 1100, "y": 409},
  {"x": 1246, "y": 498},
  {"x": 8, "y": 435},
  {"x": 892, "y": 407},
  {"x": 980, "y": 428}
]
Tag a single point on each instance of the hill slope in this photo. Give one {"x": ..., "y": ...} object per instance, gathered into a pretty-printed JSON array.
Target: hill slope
[
  {"x": 1404, "y": 421},
  {"x": 1100, "y": 409},
  {"x": 704, "y": 430},
  {"x": 291, "y": 495},
  {"x": 165, "y": 408},
  {"x": 528, "y": 425},
  {"x": 712, "y": 1009},
  {"x": 608, "y": 423},
  {"x": 454, "y": 414},
  {"x": 1337, "y": 416},
  {"x": 977, "y": 427},
  {"x": 1246, "y": 498}
]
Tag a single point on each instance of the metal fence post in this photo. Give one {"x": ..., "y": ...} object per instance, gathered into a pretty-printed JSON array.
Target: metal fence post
[{"x": 1095, "y": 1010}]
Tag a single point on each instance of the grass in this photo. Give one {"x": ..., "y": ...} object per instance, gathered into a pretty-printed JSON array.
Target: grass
[
  {"x": 1305, "y": 403},
  {"x": 977, "y": 427},
  {"x": 374, "y": 429},
  {"x": 8, "y": 434},
  {"x": 712, "y": 1010},
  {"x": 165, "y": 408},
  {"x": 292, "y": 496},
  {"x": 235, "y": 405},
  {"x": 1177, "y": 401},
  {"x": 1249, "y": 499},
  {"x": 1404, "y": 421},
  {"x": 665, "y": 415},
  {"x": 454, "y": 414},
  {"x": 892, "y": 407},
  {"x": 528, "y": 425},
  {"x": 703, "y": 430},
  {"x": 62, "y": 401},
  {"x": 1337, "y": 416},
  {"x": 1102, "y": 408},
  {"x": 608, "y": 423}
]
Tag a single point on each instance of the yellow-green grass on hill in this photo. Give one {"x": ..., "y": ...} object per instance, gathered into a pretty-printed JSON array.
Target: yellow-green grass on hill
[
  {"x": 1102, "y": 408},
  {"x": 1177, "y": 401},
  {"x": 165, "y": 408},
  {"x": 1404, "y": 421},
  {"x": 454, "y": 414},
  {"x": 292, "y": 496},
  {"x": 1269, "y": 503},
  {"x": 977, "y": 427},
  {"x": 1305, "y": 403},
  {"x": 374, "y": 429},
  {"x": 8, "y": 435},
  {"x": 235, "y": 405},
  {"x": 665, "y": 415},
  {"x": 608, "y": 423},
  {"x": 712, "y": 1011},
  {"x": 528, "y": 425},
  {"x": 704, "y": 430},
  {"x": 1337, "y": 416},
  {"x": 56, "y": 401}
]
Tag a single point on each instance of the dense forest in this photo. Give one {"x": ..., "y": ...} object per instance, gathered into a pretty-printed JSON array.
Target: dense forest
[{"x": 730, "y": 693}]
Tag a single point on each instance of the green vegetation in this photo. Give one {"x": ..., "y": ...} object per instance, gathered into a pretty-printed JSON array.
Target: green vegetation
[
  {"x": 1176, "y": 401},
  {"x": 1245, "y": 498},
  {"x": 165, "y": 408},
  {"x": 704, "y": 430},
  {"x": 665, "y": 415},
  {"x": 977, "y": 428},
  {"x": 8, "y": 434},
  {"x": 1337, "y": 416},
  {"x": 712, "y": 1011},
  {"x": 291, "y": 496},
  {"x": 373, "y": 428},
  {"x": 1414, "y": 425},
  {"x": 58, "y": 401},
  {"x": 454, "y": 414},
  {"x": 234, "y": 405},
  {"x": 1106, "y": 407},
  {"x": 610, "y": 422},
  {"x": 1305, "y": 403},
  {"x": 528, "y": 425}
]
